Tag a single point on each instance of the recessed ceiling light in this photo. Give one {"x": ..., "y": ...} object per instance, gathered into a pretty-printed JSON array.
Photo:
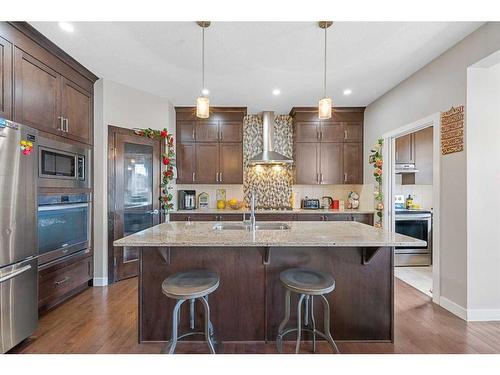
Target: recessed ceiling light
[
  {"x": 205, "y": 92},
  {"x": 276, "y": 92},
  {"x": 66, "y": 26},
  {"x": 347, "y": 92}
]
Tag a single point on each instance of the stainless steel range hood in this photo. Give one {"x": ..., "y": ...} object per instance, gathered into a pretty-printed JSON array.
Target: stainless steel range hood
[{"x": 268, "y": 155}]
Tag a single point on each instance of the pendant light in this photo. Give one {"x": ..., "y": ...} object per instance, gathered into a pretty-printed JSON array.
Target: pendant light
[
  {"x": 325, "y": 104},
  {"x": 202, "y": 101}
]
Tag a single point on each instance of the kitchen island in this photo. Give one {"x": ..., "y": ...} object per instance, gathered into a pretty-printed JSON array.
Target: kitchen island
[{"x": 249, "y": 303}]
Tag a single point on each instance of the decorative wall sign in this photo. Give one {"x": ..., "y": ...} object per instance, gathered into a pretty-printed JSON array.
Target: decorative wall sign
[{"x": 452, "y": 130}]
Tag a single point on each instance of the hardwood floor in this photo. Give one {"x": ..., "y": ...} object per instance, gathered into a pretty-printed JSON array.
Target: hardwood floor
[{"x": 104, "y": 320}]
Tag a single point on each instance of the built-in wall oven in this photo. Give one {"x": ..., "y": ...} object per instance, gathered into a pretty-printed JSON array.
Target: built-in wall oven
[
  {"x": 416, "y": 224},
  {"x": 63, "y": 225},
  {"x": 63, "y": 165}
]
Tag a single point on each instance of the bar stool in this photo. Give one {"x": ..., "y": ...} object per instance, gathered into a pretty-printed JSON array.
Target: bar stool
[
  {"x": 191, "y": 285},
  {"x": 307, "y": 284}
]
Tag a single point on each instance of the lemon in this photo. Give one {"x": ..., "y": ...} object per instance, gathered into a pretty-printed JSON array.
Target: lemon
[{"x": 221, "y": 204}]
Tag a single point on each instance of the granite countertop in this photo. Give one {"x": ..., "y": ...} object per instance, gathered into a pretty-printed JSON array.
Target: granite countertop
[
  {"x": 260, "y": 211},
  {"x": 301, "y": 233}
]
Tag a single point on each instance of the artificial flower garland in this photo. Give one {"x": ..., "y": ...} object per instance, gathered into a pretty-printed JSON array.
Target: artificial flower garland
[
  {"x": 168, "y": 158},
  {"x": 377, "y": 161}
]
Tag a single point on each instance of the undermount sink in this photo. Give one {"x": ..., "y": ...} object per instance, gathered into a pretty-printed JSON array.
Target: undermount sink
[{"x": 247, "y": 226}]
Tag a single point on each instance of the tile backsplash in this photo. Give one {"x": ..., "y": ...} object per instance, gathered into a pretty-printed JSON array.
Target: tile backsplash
[
  {"x": 339, "y": 192},
  {"x": 422, "y": 194}
]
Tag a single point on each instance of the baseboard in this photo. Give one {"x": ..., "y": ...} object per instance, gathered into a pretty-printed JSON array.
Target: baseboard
[
  {"x": 100, "y": 281},
  {"x": 453, "y": 308},
  {"x": 483, "y": 315}
]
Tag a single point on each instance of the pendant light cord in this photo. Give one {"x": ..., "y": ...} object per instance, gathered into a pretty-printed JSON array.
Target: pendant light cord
[
  {"x": 324, "y": 72},
  {"x": 203, "y": 58}
]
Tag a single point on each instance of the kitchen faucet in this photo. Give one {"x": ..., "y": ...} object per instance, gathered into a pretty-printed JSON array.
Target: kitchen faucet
[{"x": 252, "y": 209}]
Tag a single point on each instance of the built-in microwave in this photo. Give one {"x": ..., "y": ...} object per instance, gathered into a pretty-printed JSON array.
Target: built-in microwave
[{"x": 63, "y": 165}]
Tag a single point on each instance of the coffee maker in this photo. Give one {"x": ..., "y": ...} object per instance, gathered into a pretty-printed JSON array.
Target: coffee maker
[{"x": 187, "y": 199}]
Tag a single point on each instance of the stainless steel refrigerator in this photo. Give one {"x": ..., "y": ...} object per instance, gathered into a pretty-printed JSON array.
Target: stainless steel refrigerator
[{"x": 18, "y": 233}]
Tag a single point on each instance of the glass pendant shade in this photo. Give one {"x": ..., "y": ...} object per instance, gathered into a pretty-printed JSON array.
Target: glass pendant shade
[
  {"x": 325, "y": 109},
  {"x": 202, "y": 107}
]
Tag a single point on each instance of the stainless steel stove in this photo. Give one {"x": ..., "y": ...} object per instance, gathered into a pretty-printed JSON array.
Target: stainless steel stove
[{"x": 416, "y": 224}]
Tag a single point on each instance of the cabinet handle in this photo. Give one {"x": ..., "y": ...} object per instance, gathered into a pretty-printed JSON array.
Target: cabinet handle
[
  {"x": 345, "y": 177},
  {"x": 216, "y": 176},
  {"x": 188, "y": 219},
  {"x": 317, "y": 177},
  {"x": 320, "y": 135},
  {"x": 61, "y": 123},
  {"x": 66, "y": 128},
  {"x": 194, "y": 175},
  {"x": 62, "y": 281},
  {"x": 220, "y": 135},
  {"x": 326, "y": 218},
  {"x": 321, "y": 177},
  {"x": 192, "y": 135},
  {"x": 345, "y": 134},
  {"x": 220, "y": 176}
]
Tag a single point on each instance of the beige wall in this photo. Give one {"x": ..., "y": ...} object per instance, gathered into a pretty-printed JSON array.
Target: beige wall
[
  {"x": 123, "y": 106},
  {"x": 435, "y": 88},
  {"x": 483, "y": 180}
]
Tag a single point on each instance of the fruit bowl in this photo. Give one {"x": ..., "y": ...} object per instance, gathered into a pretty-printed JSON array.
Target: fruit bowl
[{"x": 235, "y": 205}]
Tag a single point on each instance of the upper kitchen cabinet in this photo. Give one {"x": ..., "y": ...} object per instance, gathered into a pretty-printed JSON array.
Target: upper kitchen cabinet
[
  {"x": 330, "y": 151},
  {"x": 424, "y": 156},
  {"x": 43, "y": 87},
  {"x": 306, "y": 131},
  {"x": 77, "y": 110},
  {"x": 353, "y": 163},
  {"x": 353, "y": 131},
  {"x": 405, "y": 149},
  {"x": 5, "y": 79},
  {"x": 210, "y": 151},
  {"x": 37, "y": 90}
]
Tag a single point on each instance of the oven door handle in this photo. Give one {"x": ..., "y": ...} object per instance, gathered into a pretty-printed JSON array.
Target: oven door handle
[
  {"x": 14, "y": 273},
  {"x": 412, "y": 217},
  {"x": 62, "y": 206}
]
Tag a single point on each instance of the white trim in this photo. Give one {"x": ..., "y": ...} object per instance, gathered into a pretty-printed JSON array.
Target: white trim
[
  {"x": 100, "y": 281},
  {"x": 388, "y": 186},
  {"x": 483, "y": 315},
  {"x": 452, "y": 307}
]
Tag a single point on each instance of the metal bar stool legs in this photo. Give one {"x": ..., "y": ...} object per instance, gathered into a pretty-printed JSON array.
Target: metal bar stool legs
[
  {"x": 307, "y": 284},
  {"x": 175, "y": 325}
]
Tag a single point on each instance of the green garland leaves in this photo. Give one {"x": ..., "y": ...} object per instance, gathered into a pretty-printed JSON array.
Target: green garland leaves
[
  {"x": 168, "y": 161},
  {"x": 377, "y": 161}
]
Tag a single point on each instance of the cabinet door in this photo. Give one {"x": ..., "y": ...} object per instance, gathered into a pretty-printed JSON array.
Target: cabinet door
[
  {"x": 353, "y": 131},
  {"x": 306, "y": 163},
  {"x": 207, "y": 131},
  {"x": 5, "y": 79},
  {"x": 186, "y": 131},
  {"x": 306, "y": 131},
  {"x": 77, "y": 111},
  {"x": 353, "y": 163},
  {"x": 185, "y": 160},
  {"x": 37, "y": 94},
  {"x": 231, "y": 131},
  {"x": 331, "y": 163},
  {"x": 363, "y": 218},
  {"x": 423, "y": 156},
  {"x": 331, "y": 131},
  {"x": 338, "y": 217},
  {"x": 405, "y": 149},
  {"x": 207, "y": 163},
  {"x": 310, "y": 217},
  {"x": 231, "y": 163}
]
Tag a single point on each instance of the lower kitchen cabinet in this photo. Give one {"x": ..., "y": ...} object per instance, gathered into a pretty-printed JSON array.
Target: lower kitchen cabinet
[
  {"x": 195, "y": 216},
  {"x": 61, "y": 279}
]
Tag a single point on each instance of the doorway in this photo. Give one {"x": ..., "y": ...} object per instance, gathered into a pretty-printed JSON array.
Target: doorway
[
  {"x": 133, "y": 195},
  {"x": 424, "y": 274}
]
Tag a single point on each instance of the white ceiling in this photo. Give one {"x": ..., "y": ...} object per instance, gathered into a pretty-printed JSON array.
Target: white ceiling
[{"x": 245, "y": 61}]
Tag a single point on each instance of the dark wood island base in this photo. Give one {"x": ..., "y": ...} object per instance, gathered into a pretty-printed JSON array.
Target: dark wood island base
[{"x": 249, "y": 303}]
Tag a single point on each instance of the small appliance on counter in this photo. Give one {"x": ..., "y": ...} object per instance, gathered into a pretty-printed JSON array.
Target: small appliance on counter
[
  {"x": 187, "y": 199},
  {"x": 310, "y": 204},
  {"x": 327, "y": 202},
  {"x": 203, "y": 200}
]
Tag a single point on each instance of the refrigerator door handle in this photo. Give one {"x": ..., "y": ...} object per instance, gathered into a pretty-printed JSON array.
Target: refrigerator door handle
[{"x": 15, "y": 273}]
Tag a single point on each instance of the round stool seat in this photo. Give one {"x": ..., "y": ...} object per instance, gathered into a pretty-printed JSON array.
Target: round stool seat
[
  {"x": 190, "y": 284},
  {"x": 307, "y": 281}
]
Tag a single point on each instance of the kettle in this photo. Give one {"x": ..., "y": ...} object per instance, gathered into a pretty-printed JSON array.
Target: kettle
[{"x": 327, "y": 202}]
